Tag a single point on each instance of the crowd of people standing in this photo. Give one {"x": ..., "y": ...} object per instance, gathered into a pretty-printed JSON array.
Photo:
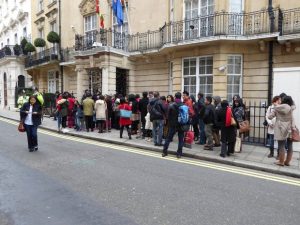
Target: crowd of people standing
[{"x": 212, "y": 121}]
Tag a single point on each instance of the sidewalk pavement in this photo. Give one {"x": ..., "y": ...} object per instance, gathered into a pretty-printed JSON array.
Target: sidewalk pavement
[{"x": 252, "y": 157}]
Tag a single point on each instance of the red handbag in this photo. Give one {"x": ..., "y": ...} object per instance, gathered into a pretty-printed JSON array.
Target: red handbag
[
  {"x": 21, "y": 127},
  {"x": 189, "y": 139}
]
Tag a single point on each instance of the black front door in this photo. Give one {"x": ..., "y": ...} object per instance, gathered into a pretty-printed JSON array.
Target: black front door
[{"x": 122, "y": 81}]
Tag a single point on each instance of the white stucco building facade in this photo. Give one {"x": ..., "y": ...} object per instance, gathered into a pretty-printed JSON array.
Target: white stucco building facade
[{"x": 15, "y": 24}]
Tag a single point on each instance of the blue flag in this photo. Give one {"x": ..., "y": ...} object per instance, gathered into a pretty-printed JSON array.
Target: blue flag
[{"x": 118, "y": 11}]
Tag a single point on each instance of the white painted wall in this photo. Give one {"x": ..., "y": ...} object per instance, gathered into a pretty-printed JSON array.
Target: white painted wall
[{"x": 287, "y": 80}]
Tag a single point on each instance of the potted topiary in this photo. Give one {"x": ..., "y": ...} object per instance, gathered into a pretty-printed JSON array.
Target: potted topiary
[
  {"x": 39, "y": 42},
  {"x": 29, "y": 47},
  {"x": 53, "y": 38},
  {"x": 23, "y": 44},
  {"x": 7, "y": 50},
  {"x": 17, "y": 50}
]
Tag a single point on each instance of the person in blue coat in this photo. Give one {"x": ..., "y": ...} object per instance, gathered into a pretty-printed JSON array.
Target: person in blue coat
[{"x": 30, "y": 114}]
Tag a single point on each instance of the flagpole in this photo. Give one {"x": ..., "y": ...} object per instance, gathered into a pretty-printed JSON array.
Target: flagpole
[{"x": 128, "y": 20}]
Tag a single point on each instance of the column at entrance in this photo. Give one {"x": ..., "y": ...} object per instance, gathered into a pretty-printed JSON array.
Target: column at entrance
[{"x": 82, "y": 82}]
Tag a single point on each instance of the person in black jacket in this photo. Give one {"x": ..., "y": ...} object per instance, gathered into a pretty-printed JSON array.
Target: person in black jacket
[
  {"x": 157, "y": 117},
  {"x": 228, "y": 134},
  {"x": 174, "y": 126},
  {"x": 30, "y": 114},
  {"x": 143, "y": 104},
  {"x": 209, "y": 121}
]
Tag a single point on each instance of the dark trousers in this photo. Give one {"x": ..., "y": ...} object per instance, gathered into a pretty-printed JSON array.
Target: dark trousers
[
  {"x": 64, "y": 121},
  {"x": 128, "y": 131},
  {"x": 31, "y": 132},
  {"x": 230, "y": 149},
  {"x": 202, "y": 132},
  {"x": 89, "y": 122},
  {"x": 171, "y": 133}
]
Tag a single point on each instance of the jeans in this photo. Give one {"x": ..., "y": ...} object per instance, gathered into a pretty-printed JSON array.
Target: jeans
[
  {"x": 209, "y": 134},
  {"x": 59, "y": 121},
  {"x": 171, "y": 133},
  {"x": 31, "y": 132},
  {"x": 271, "y": 141},
  {"x": 157, "y": 131},
  {"x": 202, "y": 132}
]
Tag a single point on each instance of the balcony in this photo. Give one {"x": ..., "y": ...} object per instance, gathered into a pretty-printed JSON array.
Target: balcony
[
  {"x": 290, "y": 21},
  {"x": 217, "y": 26},
  {"x": 10, "y": 51},
  {"x": 42, "y": 57}
]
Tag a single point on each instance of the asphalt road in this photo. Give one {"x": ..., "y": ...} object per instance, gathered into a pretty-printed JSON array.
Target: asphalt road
[{"x": 69, "y": 182}]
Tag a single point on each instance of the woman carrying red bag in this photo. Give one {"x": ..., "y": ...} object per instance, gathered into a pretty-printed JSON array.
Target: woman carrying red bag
[{"x": 125, "y": 122}]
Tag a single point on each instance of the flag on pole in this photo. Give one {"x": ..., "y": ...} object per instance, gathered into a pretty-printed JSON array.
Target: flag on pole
[
  {"x": 101, "y": 17},
  {"x": 118, "y": 11}
]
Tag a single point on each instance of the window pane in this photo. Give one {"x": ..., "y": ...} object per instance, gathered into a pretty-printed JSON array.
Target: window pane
[
  {"x": 237, "y": 80},
  {"x": 193, "y": 62},
  {"x": 186, "y": 71},
  {"x": 193, "y": 71},
  {"x": 186, "y": 63}
]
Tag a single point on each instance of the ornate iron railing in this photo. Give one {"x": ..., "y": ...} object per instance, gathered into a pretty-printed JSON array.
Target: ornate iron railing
[
  {"x": 99, "y": 39},
  {"x": 203, "y": 27},
  {"x": 10, "y": 50},
  {"x": 68, "y": 54},
  {"x": 42, "y": 57},
  {"x": 289, "y": 21}
]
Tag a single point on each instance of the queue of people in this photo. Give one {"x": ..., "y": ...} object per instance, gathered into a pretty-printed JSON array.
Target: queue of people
[{"x": 213, "y": 122}]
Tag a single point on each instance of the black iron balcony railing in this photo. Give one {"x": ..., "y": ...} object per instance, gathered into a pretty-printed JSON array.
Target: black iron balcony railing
[
  {"x": 10, "y": 50},
  {"x": 42, "y": 57},
  {"x": 203, "y": 27},
  {"x": 100, "y": 38},
  {"x": 68, "y": 54},
  {"x": 290, "y": 21}
]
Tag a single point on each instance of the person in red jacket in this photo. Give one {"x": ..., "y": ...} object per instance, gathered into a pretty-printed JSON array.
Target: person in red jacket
[
  {"x": 189, "y": 103},
  {"x": 125, "y": 122}
]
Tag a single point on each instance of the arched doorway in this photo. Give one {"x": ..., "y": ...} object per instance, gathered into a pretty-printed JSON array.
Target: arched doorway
[
  {"x": 21, "y": 81},
  {"x": 5, "y": 89}
]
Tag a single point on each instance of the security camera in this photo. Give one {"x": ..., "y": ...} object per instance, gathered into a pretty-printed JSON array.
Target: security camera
[
  {"x": 222, "y": 68},
  {"x": 72, "y": 26}
]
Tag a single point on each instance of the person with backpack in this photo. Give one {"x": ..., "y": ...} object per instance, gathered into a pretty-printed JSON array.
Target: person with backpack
[
  {"x": 157, "y": 117},
  {"x": 188, "y": 102},
  {"x": 209, "y": 121},
  {"x": 178, "y": 118}
]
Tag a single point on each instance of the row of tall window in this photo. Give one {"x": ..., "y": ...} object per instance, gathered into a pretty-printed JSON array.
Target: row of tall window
[{"x": 198, "y": 75}]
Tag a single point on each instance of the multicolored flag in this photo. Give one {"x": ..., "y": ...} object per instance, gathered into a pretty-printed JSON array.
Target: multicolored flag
[{"x": 101, "y": 17}]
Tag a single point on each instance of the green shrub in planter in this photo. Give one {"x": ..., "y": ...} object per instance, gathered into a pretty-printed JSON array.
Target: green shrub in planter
[
  {"x": 7, "y": 50},
  {"x": 23, "y": 44},
  {"x": 17, "y": 49},
  {"x": 53, "y": 37},
  {"x": 29, "y": 47},
  {"x": 39, "y": 42}
]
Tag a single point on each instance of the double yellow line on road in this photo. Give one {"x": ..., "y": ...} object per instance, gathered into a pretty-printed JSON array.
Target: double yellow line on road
[{"x": 225, "y": 168}]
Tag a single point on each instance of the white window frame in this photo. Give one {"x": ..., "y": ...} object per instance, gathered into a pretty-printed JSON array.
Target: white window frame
[
  {"x": 40, "y": 5},
  {"x": 240, "y": 75},
  {"x": 90, "y": 25},
  {"x": 51, "y": 76},
  {"x": 198, "y": 75},
  {"x": 16, "y": 38},
  {"x": 53, "y": 26},
  {"x": 236, "y": 18}
]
